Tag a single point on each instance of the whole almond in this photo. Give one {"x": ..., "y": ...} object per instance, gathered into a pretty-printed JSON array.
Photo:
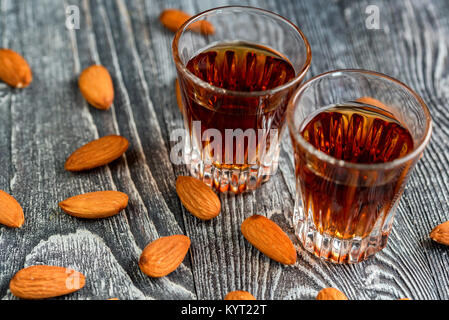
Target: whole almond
[
  {"x": 95, "y": 205},
  {"x": 11, "y": 213},
  {"x": 97, "y": 153},
  {"x": 96, "y": 86},
  {"x": 441, "y": 233},
  {"x": 372, "y": 102},
  {"x": 178, "y": 95},
  {"x": 198, "y": 198},
  {"x": 164, "y": 255},
  {"x": 173, "y": 19},
  {"x": 269, "y": 238},
  {"x": 331, "y": 294},
  {"x": 14, "y": 69},
  {"x": 239, "y": 295},
  {"x": 41, "y": 282}
]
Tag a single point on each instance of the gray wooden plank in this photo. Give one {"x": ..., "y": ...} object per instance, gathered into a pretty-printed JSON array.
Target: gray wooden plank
[
  {"x": 411, "y": 41},
  {"x": 39, "y": 150},
  {"x": 388, "y": 275},
  {"x": 375, "y": 49},
  {"x": 224, "y": 261},
  {"x": 37, "y": 134}
]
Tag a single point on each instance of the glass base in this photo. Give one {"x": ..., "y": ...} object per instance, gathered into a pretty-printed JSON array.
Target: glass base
[
  {"x": 231, "y": 180},
  {"x": 336, "y": 250},
  {"x": 234, "y": 180},
  {"x": 341, "y": 251}
]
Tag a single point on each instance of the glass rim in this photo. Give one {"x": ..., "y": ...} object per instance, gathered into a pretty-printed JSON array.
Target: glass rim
[
  {"x": 180, "y": 65},
  {"x": 296, "y": 134}
]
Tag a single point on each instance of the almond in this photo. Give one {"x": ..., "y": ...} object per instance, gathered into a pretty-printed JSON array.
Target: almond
[
  {"x": 14, "y": 69},
  {"x": 178, "y": 95},
  {"x": 372, "y": 102},
  {"x": 164, "y": 255},
  {"x": 269, "y": 238},
  {"x": 41, "y": 282},
  {"x": 198, "y": 198},
  {"x": 95, "y": 205},
  {"x": 331, "y": 294},
  {"x": 239, "y": 295},
  {"x": 173, "y": 19},
  {"x": 441, "y": 233},
  {"x": 96, "y": 87},
  {"x": 97, "y": 153},
  {"x": 11, "y": 213}
]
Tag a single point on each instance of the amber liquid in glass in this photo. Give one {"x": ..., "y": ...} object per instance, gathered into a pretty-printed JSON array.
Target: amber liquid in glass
[
  {"x": 243, "y": 67},
  {"x": 349, "y": 205}
]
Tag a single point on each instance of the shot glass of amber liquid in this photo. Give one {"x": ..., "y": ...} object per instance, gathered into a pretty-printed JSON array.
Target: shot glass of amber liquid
[
  {"x": 357, "y": 136},
  {"x": 237, "y": 68}
]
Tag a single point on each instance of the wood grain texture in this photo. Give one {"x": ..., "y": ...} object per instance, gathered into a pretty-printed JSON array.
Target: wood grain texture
[{"x": 40, "y": 126}]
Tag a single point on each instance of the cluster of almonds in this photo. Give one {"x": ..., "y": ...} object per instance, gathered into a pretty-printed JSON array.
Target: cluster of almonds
[
  {"x": 164, "y": 255},
  {"x": 95, "y": 83}
]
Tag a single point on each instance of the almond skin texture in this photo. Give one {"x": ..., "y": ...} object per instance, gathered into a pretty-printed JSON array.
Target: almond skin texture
[
  {"x": 97, "y": 153},
  {"x": 239, "y": 295},
  {"x": 95, "y": 205},
  {"x": 41, "y": 282},
  {"x": 441, "y": 233},
  {"x": 11, "y": 213},
  {"x": 198, "y": 198},
  {"x": 331, "y": 294},
  {"x": 173, "y": 19},
  {"x": 96, "y": 87},
  {"x": 269, "y": 238},
  {"x": 164, "y": 255},
  {"x": 14, "y": 69}
]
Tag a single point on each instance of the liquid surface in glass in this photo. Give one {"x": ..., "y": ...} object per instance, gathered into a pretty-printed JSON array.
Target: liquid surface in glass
[
  {"x": 360, "y": 135},
  {"x": 242, "y": 66}
]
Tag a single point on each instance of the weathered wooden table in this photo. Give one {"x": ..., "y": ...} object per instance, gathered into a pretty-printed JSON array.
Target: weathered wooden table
[{"x": 41, "y": 125}]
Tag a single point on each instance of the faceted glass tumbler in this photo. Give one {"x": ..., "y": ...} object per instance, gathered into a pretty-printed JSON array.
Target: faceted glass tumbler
[
  {"x": 344, "y": 210},
  {"x": 221, "y": 109}
]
